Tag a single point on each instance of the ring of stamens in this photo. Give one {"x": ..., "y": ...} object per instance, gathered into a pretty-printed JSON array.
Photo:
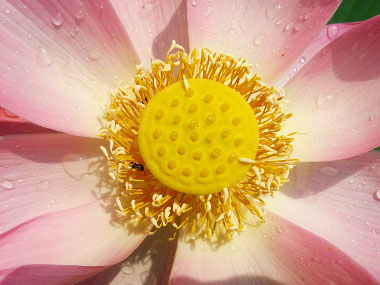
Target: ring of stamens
[{"x": 143, "y": 197}]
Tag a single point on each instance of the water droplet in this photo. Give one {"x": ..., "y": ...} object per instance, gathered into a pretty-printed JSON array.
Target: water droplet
[
  {"x": 372, "y": 117},
  {"x": 43, "y": 186},
  {"x": 234, "y": 248},
  {"x": 361, "y": 56},
  {"x": 294, "y": 69},
  {"x": 79, "y": 15},
  {"x": 354, "y": 47},
  {"x": 289, "y": 26},
  {"x": 281, "y": 229},
  {"x": 9, "y": 114},
  {"x": 332, "y": 32},
  {"x": 194, "y": 2},
  {"x": 252, "y": 269},
  {"x": 95, "y": 53},
  {"x": 148, "y": 277},
  {"x": 329, "y": 171},
  {"x": 127, "y": 269},
  {"x": 7, "y": 184},
  {"x": 326, "y": 101},
  {"x": 273, "y": 12},
  {"x": 7, "y": 11},
  {"x": 209, "y": 11},
  {"x": 44, "y": 57},
  {"x": 75, "y": 165},
  {"x": 57, "y": 20},
  {"x": 259, "y": 40},
  {"x": 371, "y": 244},
  {"x": 302, "y": 60},
  {"x": 19, "y": 181},
  {"x": 377, "y": 194}
]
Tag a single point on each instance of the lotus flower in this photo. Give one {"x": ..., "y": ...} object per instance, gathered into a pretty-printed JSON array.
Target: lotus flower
[{"x": 59, "y": 59}]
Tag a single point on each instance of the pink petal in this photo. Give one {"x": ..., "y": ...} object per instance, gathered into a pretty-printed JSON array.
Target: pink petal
[
  {"x": 150, "y": 263},
  {"x": 335, "y": 98},
  {"x": 340, "y": 202},
  {"x": 268, "y": 35},
  {"x": 276, "y": 251},
  {"x": 328, "y": 34},
  {"x": 10, "y": 124},
  {"x": 53, "y": 205},
  {"x": 59, "y": 60},
  {"x": 45, "y": 173},
  {"x": 153, "y": 25},
  {"x": 47, "y": 274}
]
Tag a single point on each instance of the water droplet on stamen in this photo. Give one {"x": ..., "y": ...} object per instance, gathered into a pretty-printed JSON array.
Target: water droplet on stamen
[
  {"x": 57, "y": 20},
  {"x": 44, "y": 57},
  {"x": 329, "y": 171},
  {"x": 7, "y": 184},
  {"x": 332, "y": 32},
  {"x": 75, "y": 165}
]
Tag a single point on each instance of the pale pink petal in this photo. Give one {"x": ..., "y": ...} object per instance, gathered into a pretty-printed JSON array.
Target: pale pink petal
[
  {"x": 340, "y": 202},
  {"x": 269, "y": 35},
  {"x": 328, "y": 34},
  {"x": 335, "y": 98},
  {"x": 153, "y": 25},
  {"x": 10, "y": 124},
  {"x": 150, "y": 263},
  {"x": 57, "y": 207},
  {"x": 47, "y": 274},
  {"x": 45, "y": 173},
  {"x": 59, "y": 59},
  {"x": 276, "y": 251}
]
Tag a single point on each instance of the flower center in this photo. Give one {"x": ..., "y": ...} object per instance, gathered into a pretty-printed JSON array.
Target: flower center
[
  {"x": 193, "y": 133},
  {"x": 195, "y": 143}
]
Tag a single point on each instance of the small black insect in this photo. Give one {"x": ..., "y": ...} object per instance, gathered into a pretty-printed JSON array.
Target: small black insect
[{"x": 138, "y": 167}]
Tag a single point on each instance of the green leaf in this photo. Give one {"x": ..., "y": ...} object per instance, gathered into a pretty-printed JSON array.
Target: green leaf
[{"x": 356, "y": 10}]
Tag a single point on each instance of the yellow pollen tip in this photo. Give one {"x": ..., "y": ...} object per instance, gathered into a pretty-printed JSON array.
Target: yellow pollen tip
[{"x": 198, "y": 133}]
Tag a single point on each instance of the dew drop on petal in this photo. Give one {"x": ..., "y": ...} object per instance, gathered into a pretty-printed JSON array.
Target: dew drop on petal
[
  {"x": 332, "y": 32},
  {"x": 377, "y": 194},
  {"x": 273, "y": 12},
  {"x": 326, "y": 101},
  {"x": 194, "y": 2},
  {"x": 6, "y": 184},
  {"x": 329, "y": 171},
  {"x": 44, "y": 57},
  {"x": 57, "y": 20},
  {"x": 127, "y": 269},
  {"x": 302, "y": 60},
  {"x": 95, "y": 53},
  {"x": 148, "y": 277},
  {"x": 372, "y": 118},
  {"x": 75, "y": 165},
  {"x": 79, "y": 15},
  {"x": 44, "y": 186},
  {"x": 9, "y": 114},
  {"x": 354, "y": 47}
]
